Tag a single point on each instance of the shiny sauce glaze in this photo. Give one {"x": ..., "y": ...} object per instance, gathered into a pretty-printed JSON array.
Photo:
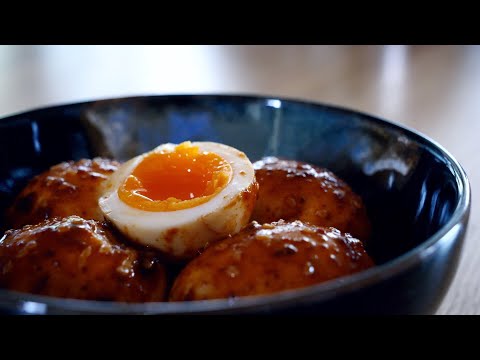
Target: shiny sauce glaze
[
  {"x": 268, "y": 258},
  {"x": 69, "y": 188},
  {"x": 293, "y": 190},
  {"x": 81, "y": 259},
  {"x": 65, "y": 253}
]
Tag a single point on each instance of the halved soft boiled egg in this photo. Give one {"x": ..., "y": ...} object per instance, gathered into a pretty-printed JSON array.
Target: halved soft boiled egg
[{"x": 178, "y": 198}]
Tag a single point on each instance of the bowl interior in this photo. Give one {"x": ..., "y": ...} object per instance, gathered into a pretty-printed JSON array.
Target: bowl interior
[{"x": 409, "y": 186}]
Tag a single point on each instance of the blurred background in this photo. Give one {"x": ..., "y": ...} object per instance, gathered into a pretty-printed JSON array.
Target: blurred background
[{"x": 433, "y": 89}]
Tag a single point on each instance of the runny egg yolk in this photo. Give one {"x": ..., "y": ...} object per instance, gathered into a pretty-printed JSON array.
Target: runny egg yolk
[{"x": 175, "y": 180}]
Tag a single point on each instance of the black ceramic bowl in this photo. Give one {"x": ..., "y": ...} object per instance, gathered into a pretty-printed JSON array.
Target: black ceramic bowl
[{"x": 417, "y": 195}]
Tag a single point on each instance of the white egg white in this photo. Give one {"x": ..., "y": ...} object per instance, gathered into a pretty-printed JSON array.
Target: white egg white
[{"x": 181, "y": 233}]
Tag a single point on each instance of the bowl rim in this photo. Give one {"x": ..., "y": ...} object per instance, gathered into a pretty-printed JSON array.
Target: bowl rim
[{"x": 39, "y": 304}]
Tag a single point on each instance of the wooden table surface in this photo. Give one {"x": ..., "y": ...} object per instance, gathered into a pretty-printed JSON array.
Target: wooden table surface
[{"x": 434, "y": 89}]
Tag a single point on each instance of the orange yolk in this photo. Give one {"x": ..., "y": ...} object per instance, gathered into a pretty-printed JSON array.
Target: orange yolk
[{"x": 175, "y": 180}]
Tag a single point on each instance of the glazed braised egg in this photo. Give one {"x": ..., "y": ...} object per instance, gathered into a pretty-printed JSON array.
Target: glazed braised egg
[{"x": 179, "y": 198}]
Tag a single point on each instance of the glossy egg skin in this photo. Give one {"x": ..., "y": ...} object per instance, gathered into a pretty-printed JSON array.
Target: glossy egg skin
[
  {"x": 294, "y": 190},
  {"x": 269, "y": 258},
  {"x": 80, "y": 259},
  {"x": 68, "y": 188}
]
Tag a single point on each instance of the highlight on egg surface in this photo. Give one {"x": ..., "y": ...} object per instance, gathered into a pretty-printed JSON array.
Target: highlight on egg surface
[
  {"x": 179, "y": 198},
  {"x": 269, "y": 258}
]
